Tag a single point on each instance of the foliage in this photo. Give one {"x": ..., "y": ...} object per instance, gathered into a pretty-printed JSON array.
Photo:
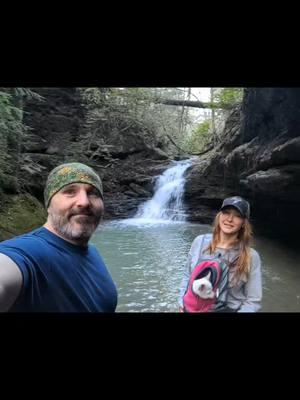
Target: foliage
[
  {"x": 208, "y": 132},
  {"x": 200, "y": 137},
  {"x": 125, "y": 109},
  {"x": 12, "y": 130},
  {"x": 11, "y": 112},
  {"x": 10, "y": 116},
  {"x": 228, "y": 96},
  {"x": 26, "y": 94}
]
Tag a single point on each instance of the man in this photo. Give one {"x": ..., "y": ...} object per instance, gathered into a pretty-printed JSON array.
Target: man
[{"x": 53, "y": 268}]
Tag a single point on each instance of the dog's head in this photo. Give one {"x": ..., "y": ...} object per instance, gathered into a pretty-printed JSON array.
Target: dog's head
[{"x": 203, "y": 288}]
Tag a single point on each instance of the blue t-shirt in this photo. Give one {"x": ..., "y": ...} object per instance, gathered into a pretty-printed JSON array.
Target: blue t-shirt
[{"x": 59, "y": 276}]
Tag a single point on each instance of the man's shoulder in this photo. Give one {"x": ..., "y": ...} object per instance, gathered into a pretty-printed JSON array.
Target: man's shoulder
[
  {"x": 94, "y": 252},
  {"x": 29, "y": 239}
]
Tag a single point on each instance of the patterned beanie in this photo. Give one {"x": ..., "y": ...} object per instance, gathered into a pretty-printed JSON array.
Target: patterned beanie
[{"x": 70, "y": 173}]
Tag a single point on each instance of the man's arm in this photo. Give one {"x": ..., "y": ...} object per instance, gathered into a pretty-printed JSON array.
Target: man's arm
[{"x": 11, "y": 281}]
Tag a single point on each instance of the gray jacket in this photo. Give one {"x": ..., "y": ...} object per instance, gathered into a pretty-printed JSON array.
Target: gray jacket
[{"x": 244, "y": 295}]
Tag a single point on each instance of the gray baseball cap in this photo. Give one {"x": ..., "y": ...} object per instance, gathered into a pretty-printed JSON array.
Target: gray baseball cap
[{"x": 239, "y": 203}]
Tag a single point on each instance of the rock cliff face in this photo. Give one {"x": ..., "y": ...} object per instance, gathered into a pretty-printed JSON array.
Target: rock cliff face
[
  {"x": 126, "y": 159},
  {"x": 55, "y": 124},
  {"x": 259, "y": 158}
]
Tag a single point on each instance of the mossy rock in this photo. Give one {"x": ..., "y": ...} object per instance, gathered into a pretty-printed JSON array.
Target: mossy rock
[
  {"x": 8, "y": 183},
  {"x": 20, "y": 214}
]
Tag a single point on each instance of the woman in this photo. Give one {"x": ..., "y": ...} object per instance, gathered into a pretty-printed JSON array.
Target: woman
[{"x": 230, "y": 241}]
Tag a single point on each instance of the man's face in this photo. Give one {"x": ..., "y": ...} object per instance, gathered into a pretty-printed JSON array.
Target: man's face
[{"x": 75, "y": 212}]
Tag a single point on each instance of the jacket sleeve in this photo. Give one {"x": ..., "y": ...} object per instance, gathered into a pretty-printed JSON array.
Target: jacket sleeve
[
  {"x": 253, "y": 287},
  {"x": 191, "y": 262}
]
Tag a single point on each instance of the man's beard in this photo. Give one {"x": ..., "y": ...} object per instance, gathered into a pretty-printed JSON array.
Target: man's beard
[{"x": 86, "y": 223}]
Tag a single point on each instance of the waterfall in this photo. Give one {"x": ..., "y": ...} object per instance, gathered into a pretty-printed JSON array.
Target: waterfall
[{"x": 166, "y": 203}]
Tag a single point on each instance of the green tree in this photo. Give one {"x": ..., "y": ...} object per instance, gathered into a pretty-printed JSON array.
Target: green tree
[
  {"x": 200, "y": 138},
  {"x": 122, "y": 109},
  {"x": 228, "y": 96},
  {"x": 12, "y": 131},
  {"x": 208, "y": 132}
]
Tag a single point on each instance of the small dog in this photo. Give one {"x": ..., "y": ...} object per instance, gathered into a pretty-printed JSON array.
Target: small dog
[{"x": 203, "y": 288}]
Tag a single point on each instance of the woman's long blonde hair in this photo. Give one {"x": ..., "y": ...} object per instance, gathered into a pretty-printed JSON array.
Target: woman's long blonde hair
[{"x": 244, "y": 238}]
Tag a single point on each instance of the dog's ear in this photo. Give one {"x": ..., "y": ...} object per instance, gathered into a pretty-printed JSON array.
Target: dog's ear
[{"x": 207, "y": 276}]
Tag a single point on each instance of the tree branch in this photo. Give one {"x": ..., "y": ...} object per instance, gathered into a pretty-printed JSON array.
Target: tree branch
[
  {"x": 203, "y": 152},
  {"x": 192, "y": 154},
  {"x": 196, "y": 104},
  {"x": 175, "y": 144}
]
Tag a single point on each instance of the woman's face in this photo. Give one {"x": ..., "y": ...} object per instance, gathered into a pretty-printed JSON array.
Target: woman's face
[{"x": 230, "y": 221}]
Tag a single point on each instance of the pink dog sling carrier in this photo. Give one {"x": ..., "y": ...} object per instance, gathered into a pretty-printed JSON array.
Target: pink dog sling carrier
[{"x": 219, "y": 280}]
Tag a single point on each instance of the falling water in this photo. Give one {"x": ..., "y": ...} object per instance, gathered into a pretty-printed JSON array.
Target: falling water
[{"x": 166, "y": 204}]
